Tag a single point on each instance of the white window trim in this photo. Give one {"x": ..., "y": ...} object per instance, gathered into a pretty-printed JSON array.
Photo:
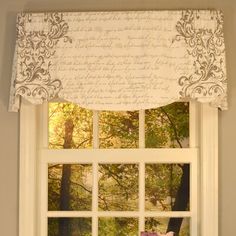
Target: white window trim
[{"x": 29, "y": 200}]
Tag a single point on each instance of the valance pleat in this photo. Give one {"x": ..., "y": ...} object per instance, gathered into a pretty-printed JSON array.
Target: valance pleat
[{"x": 127, "y": 60}]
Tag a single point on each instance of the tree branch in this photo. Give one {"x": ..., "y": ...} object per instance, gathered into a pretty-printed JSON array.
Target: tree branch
[{"x": 173, "y": 126}]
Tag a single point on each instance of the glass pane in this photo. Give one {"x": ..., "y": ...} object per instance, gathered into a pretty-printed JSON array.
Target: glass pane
[
  {"x": 118, "y": 129},
  {"x": 108, "y": 226},
  {"x": 69, "y": 227},
  {"x": 168, "y": 126},
  {"x": 69, "y": 126},
  {"x": 69, "y": 187},
  {"x": 167, "y": 187},
  {"x": 118, "y": 187},
  {"x": 180, "y": 226}
]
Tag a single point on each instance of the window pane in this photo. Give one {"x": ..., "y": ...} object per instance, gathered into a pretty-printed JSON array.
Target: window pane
[
  {"x": 108, "y": 226},
  {"x": 167, "y": 126},
  {"x": 69, "y": 187},
  {"x": 118, "y": 187},
  {"x": 180, "y": 226},
  {"x": 118, "y": 129},
  {"x": 69, "y": 126},
  {"x": 167, "y": 187},
  {"x": 69, "y": 226}
]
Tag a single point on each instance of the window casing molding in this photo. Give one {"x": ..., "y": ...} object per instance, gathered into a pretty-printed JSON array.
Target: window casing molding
[{"x": 204, "y": 132}]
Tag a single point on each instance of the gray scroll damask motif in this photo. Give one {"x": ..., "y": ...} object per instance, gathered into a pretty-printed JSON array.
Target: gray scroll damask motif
[
  {"x": 35, "y": 48},
  {"x": 206, "y": 46}
]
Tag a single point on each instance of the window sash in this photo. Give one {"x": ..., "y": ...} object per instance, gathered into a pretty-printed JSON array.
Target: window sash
[
  {"x": 128, "y": 156},
  {"x": 97, "y": 156}
]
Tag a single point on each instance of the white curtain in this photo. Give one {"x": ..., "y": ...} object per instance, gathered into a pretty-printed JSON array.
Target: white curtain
[{"x": 127, "y": 60}]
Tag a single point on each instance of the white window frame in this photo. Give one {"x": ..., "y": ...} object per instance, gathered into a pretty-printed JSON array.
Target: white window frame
[{"x": 204, "y": 137}]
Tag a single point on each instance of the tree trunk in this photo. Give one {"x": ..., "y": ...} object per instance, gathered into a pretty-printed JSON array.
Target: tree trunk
[
  {"x": 64, "y": 223},
  {"x": 181, "y": 201}
]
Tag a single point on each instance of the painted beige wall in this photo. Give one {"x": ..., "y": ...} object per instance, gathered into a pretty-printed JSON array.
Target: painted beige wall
[{"x": 9, "y": 122}]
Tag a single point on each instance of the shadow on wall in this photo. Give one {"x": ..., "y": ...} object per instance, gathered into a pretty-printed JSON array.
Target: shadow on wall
[{"x": 8, "y": 41}]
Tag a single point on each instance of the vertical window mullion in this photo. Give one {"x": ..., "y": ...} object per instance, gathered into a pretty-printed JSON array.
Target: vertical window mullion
[
  {"x": 141, "y": 196},
  {"x": 142, "y": 172},
  {"x": 95, "y": 175},
  {"x": 95, "y": 200}
]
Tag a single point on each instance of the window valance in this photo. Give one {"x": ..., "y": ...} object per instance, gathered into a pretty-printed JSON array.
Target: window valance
[{"x": 127, "y": 60}]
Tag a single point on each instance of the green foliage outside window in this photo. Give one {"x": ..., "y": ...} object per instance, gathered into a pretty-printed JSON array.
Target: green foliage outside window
[
  {"x": 162, "y": 182},
  {"x": 118, "y": 187},
  {"x": 76, "y": 226},
  {"x": 82, "y": 126},
  {"x": 118, "y": 129},
  {"x": 108, "y": 226},
  {"x": 80, "y": 187},
  {"x": 167, "y": 126},
  {"x": 70, "y": 186},
  {"x": 160, "y": 225}
]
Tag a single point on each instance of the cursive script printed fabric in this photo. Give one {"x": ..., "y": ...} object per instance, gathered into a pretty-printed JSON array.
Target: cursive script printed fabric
[{"x": 128, "y": 60}]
